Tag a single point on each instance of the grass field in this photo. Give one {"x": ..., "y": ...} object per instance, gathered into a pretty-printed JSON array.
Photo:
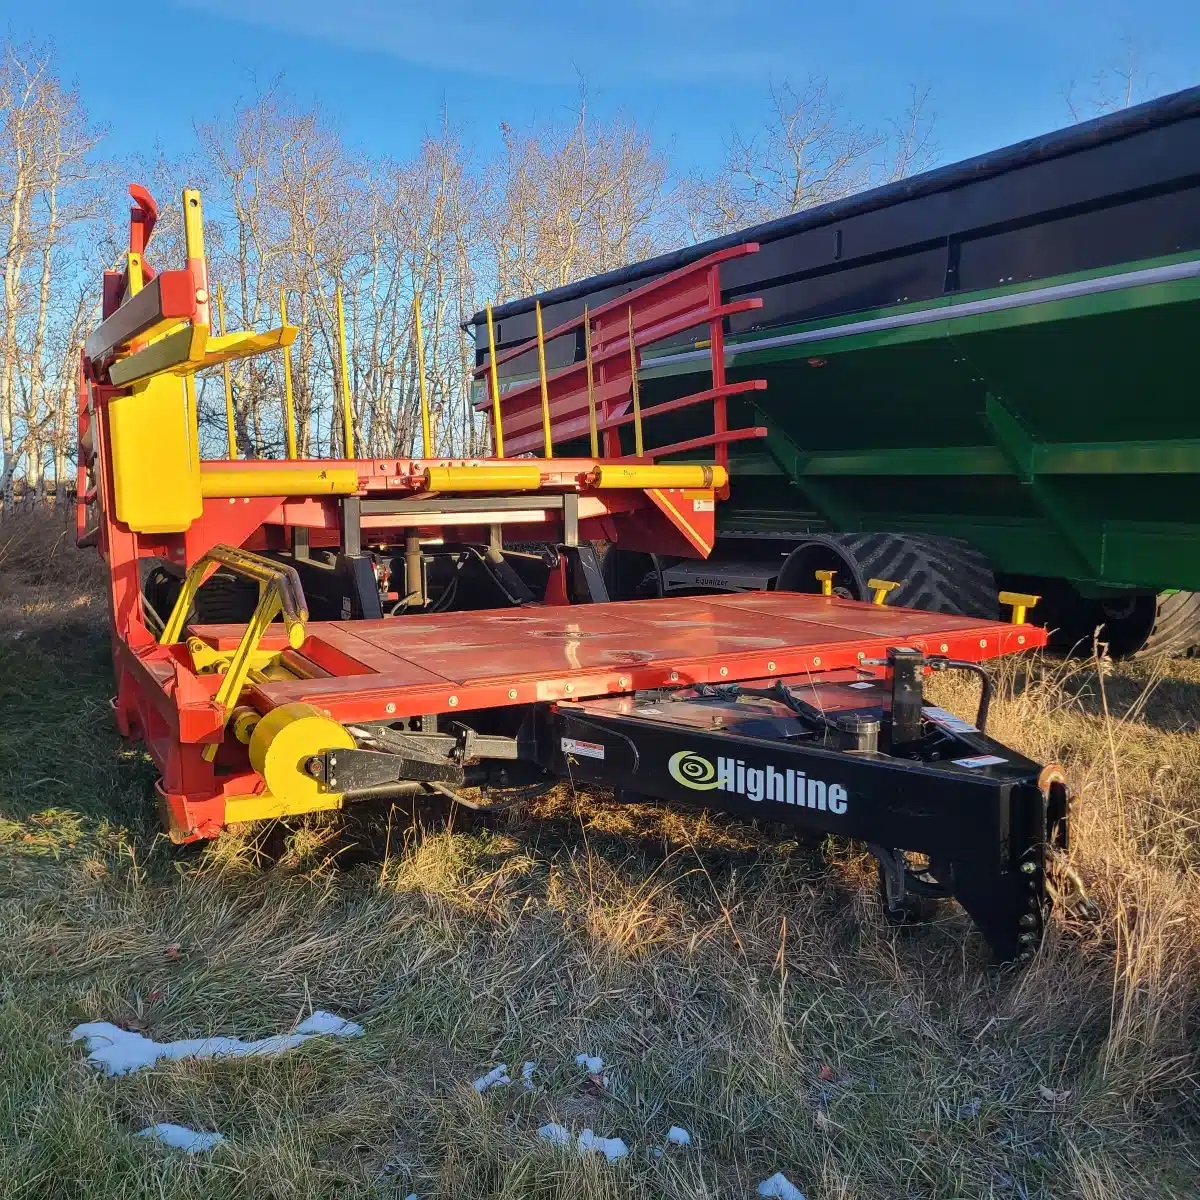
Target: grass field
[{"x": 736, "y": 985}]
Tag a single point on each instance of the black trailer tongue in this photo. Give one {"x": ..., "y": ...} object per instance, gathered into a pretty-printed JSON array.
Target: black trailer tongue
[{"x": 947, "y": 811}]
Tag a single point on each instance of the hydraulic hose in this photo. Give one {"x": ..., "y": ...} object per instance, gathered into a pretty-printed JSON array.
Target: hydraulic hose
[{"x": 985, "y": 685}]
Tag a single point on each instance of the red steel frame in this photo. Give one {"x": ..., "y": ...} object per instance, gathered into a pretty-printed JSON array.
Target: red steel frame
[
  {"x": 688, "y": 298},
  {"x": 464, "y": 661}
]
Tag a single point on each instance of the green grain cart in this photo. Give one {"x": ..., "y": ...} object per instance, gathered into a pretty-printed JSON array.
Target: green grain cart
[{"x": 984, "y": 376}]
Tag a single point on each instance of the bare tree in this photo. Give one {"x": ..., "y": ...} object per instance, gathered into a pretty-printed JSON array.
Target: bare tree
[
  {"x": 911, "y": 147},
  {"x": 427, "y": 224},
  {"x": 290, "y": 208},
  {"x": 46, "y": 172},
  {"x": 1119, "y": 84},
  {"x": 564, "y": 203},
  {"x": 809, "y": 153},
  {"x": 278, "y": 190}
]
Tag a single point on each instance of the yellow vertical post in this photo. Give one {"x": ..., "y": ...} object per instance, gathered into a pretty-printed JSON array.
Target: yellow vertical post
[
  {"x": 591, "y": 382},
  {"x": 230, "y": 425},
  {"x": 426, "y": 435},
  {"x": 637, "y": 396},
  {"x": 347, "y": 411},
  {"x": 547, "y": 447},
  {"x": 289, "y": 400},
  {"x": 493, "y": 375},
  {"x": 193, "y": 239},
  {"x": 133, "y": 273}
]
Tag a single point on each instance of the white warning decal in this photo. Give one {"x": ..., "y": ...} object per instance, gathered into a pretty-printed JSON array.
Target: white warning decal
[
  {"x": 583, "y": 749},
  {"x": 980, "y": 760},
  {"x": 948, "y": 721}
]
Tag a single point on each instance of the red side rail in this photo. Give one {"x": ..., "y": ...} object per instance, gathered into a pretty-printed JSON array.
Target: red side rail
[{"x": 689, "y": 298}]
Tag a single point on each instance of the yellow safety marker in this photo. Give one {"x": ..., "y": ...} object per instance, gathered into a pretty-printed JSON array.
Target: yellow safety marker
[
  {"x": 516, "y": 477},
  {"x": 423, "y": 388},
  {"x": 493, "y": 376},
  {"x": 547, "y": 449},
  {"x": 591, "y": 383},
  {"x": 1021, "y": 603},
  {"x": 826, "y": 579},
  {"x": 280, "y": 747},
  {"x": 633, "y": 383},
  {"x": 677, "y": 475},
  {"x": 230, "y": 425},
  {"x": 880, "y": 588},
  {"x": 347, "y": 411},
  {"x": 289, "y": 400}
]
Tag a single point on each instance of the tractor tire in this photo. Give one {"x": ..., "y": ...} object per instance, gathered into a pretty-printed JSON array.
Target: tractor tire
[
  {"x": 629, "y": 574},
  {"x": 938, "y": 574},
  {"x": 224, "y": 598},
  {"x": 1176, "y": 629},
  {"x": 1146, "y": 625},
  {"x": 1138, "y": 625}
]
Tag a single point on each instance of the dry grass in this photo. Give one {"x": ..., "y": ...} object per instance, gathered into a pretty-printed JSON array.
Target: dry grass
[{"x": 716, "y": 968}]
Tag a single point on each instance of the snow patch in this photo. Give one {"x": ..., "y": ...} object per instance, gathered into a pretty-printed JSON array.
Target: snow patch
[
  {"x": 527, "y": 1070},
  {"x": 611, "y": 1148},
  {"x": 559, "y": 1135},
  {"x": 779, "y": 1187},
  {"x": 496, "y": 1077},
  {"x": 119, "y": 1051},
  {"x": 678, "y": 1136},
  {"x": 180, "y": 1137},
  {"x": 322, "y": 1022}
]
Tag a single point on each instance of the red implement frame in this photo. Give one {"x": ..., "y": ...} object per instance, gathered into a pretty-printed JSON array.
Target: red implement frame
[
  {"x": 462, "y": 662},
  {"x": 466, "y": 661},
  {"x": 689, "y": 298},
  {"x": 431, "y": 664}
]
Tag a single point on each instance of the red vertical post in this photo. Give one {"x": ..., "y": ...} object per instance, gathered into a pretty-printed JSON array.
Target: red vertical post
[
  {"x": 716, "y": 341},
  {"x": 611, "y": 438}
]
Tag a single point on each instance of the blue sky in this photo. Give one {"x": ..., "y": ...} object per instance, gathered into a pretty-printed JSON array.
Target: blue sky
[{"x": 690, "y": 70}]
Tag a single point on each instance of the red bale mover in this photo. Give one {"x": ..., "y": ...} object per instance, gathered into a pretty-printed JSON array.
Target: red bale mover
[{"x": 292, "y": 636}]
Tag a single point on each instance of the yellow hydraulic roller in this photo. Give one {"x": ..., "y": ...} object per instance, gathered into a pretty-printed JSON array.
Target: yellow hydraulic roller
[
  {"x": 494, "y": 477},
  {"x": 243, "y": 723},
  {"x": 281, "y": 745},
  {"x": 680, "y": 475},
  {"x": 292, "y": 479}
]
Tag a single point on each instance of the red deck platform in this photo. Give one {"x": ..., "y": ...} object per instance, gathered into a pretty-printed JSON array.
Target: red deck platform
[{"x": 376, "y": 670}]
